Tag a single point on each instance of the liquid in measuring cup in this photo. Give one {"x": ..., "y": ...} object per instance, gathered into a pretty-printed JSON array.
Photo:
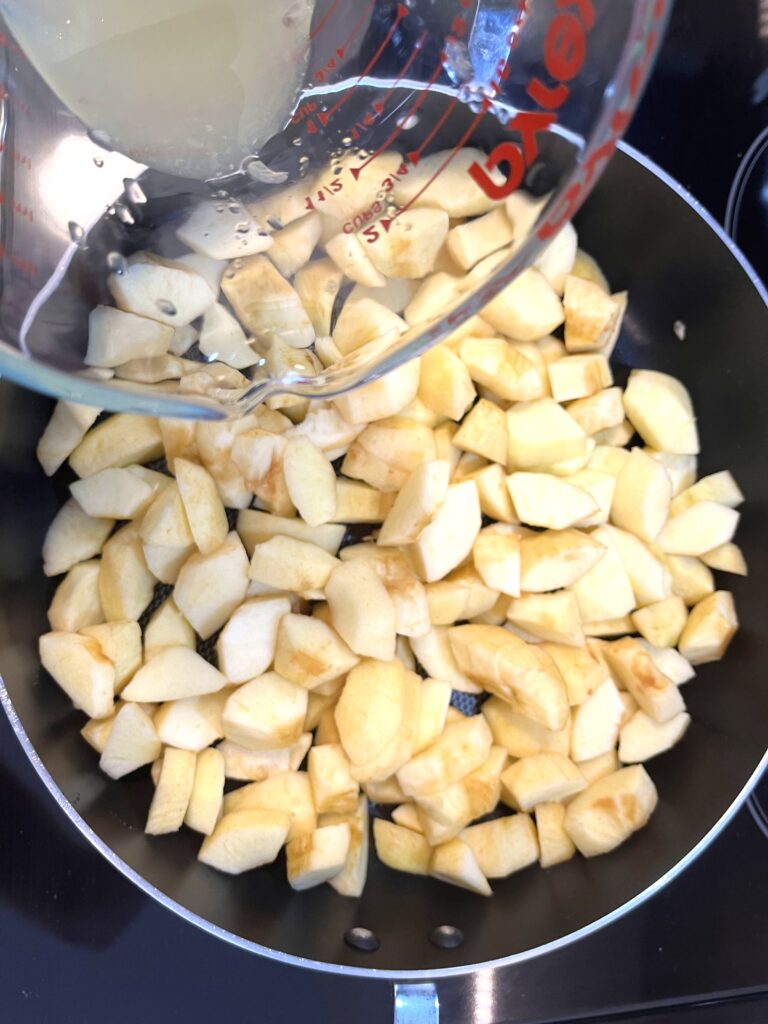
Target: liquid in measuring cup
[{"x": 380, "y": 128}]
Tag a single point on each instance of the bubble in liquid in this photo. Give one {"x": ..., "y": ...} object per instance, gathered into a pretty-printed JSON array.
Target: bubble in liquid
[
  {"x": 134, "y": 191},
  {"x": 222, "y": 194},
  {"x": 347, "y": 141},
  {"x": 117, "y": 263},
  {"x": 98, "y": 162},
  {"x": 124, "y": 214},
  {"x": 238, "y": 264},
  {"x": 166, "y": 307},
  {"x": 392, "y": 210},
  {"x": 229, "y": 274},
  {"x": 111, "y": 211},
  {"x": 76, "y": 232},
  {"x": 275, "y": 223},
  {"x": 234, "y": 207},
  {"x": 243, "y": 227},
  {"x": 298, "y": 141}
]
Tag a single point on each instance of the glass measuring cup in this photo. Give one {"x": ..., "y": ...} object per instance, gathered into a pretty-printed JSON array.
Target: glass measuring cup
[{"x": 461, "y": 107}]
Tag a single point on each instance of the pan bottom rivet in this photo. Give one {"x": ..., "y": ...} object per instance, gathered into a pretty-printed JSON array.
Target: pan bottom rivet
[
  {"x": 446, "y": 936},
  {"x": 363, "y": 939}
]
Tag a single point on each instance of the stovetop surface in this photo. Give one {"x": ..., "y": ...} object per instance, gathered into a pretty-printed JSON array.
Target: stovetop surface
[{"x": 79, "y": 943}]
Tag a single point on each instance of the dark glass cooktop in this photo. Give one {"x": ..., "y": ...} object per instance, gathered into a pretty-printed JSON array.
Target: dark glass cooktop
[{"x": 78, "y": 943}]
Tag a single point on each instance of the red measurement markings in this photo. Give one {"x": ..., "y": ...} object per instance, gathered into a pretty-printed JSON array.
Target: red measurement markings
[
  {"x": 22, "y": 159},
  {"x": 386, "y": 222},
  {"x": 321, "y": 74},
  {"x": 378, "y": 106},
  {"x": 357, "y": 171},
  {"x": 415, "y": 154},
  {"x": 325, "y": 116},
  {"x": 322, "y": 193},
  {"x": 18, "y": 208},
  {"x": 324, "y": 20},
  {"x": 303, "y": 112}
]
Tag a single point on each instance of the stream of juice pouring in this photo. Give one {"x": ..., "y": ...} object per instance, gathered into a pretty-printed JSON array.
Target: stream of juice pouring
[{"x": 187, "y": 86}]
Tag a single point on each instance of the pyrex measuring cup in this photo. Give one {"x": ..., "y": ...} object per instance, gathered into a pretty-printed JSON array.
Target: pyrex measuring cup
[{"x": 381, "y": 111}]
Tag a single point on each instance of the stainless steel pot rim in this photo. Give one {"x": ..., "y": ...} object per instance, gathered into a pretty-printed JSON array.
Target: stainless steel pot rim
[{"x": 448, "y": 972}]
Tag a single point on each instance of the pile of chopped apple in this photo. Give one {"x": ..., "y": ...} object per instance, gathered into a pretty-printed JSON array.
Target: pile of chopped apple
[{"x": 526, "y": 529}]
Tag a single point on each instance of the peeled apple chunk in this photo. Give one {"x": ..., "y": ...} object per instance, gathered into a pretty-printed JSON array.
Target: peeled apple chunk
[
  {"x": 173, "y": 673},
  {"x": 518, "y": 672},
  {"x": 698, "y": 529},
  {"x": 543, "y": 500},
  {"x": 711, "y": 626},
  {"x": 448, "y": 539},
  {"x": 210, "y": 587},
  {"x": 634, "y": 668},
  {"x": 410, "y": 247},
  {"x": 527, "y": 309},
  {"x": 161, "y": 289},
  {"x": 642, "y": 738},
  {"x": 540, "y": 779},
  {"x": 265, "y": 302},
  {"x": 454, "y": 862},
  {"x": 417, "y": 504},
  {"x": 132, "y": 742},
  {"x": 542, "y": 433},
  {"x": 661, "y": 411},
  {"x": 265, "y": 713},
  {"x": 610, "y": 810},
  {"x": 462, "y": 747},
  {"x": 210, "y": 231},
  {"x": 116, "y": 336},
  {"x": 78, "y": 665},
  {"x": 450, "y": 186},
  {"x": 244, "y": 840}
]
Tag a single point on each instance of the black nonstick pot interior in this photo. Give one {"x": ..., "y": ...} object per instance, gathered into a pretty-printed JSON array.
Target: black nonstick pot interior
[{"x": 677, "y": 269}]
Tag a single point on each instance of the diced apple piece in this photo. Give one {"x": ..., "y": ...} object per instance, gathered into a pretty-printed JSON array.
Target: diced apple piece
[
  {"x": 288, "y": 791},
  {"x": 504, "y": 845},
  {"x": 256, "y": 765},
  {"x": 291, "y": 565},
  {"x": 586, "y": 266},
  {"x": 191, "y": 723},
  {"x": 434, "y": 653},
  {"x": 517, "y": 672},
  {"x": 591, "y": 316},
  {"x": 265, "y": 713},
  {"x": 521, "y": 736},
  {"x": 309, "y": 653},
  {"x": 96, "y": 732},
  {"x": 80, "y": 668},
  {"x": 121, "y": 643},
  {"x": 495, "y": 501},
  {"x": 661, "y": 411},
  {"x": 318, "y": 856},
  {"x": 553, "y": 617},
  {"x": 76, "y": 603},
  {"x": 662, "y": 623},
  {"x": 258, "y": 455},
  {"x": 497, "y": 559},
  {"x": 375, "y": 722},
  {"x": 203, "y": 507},
  {"x": 642, "y": 738},
  {"x": 555, "y": 844},
  {"x": 543, "y": 500},
  {"x": 410, "y": 247},
  {"x": 541, "y": 778},
  {"x": 384, "y": 397},
  {"x": 605, "y": 591},
  {"x": 64, "y": 432},
  {"x": 610, "y": 810},
  {"x": 691, "y": 579},
  {"x": 371, "y": 469},
  {"x": 165, "y": 522},
  {"x": 350, "y": 256},
  {"x": 642, "y": 496},
  {"x": 311, "y": 481},
  {"x": 651, "y": 581},
  {"x": 727, "y": 558},
  {"x": 256, "y": 527},
  {"x": 433, "y": 707},
  {"x": 698, "y": 529},
  {"x": 210, "y": 587},
  {"x": 219, "y": 233},
  {"x": 317, "y": 284},
  {"x": 579, "y": 376},
  {"x": 462, "y": 747},
  {"x": 461, "y": 595},
  {"x": 608, "y": 459},
  {"x": 453, "y": 189},
  {"x": 433, "y": 296},
  {"x": 244, "y": 840},
  {"x": 172, "y": 793},
  {"x": 454, "y": 862},
  {"x": 596, "y": 723},
  {"x": 115, "y": 337},
  {"x": 604, "y": 764},
  {"x": 173, "y": 673},
  {"x": 445, "y": 384},
  {"x": 556, "y": 558},
  {"x": 671, "y": 663},
  {"x": 358, "y": 503},
  {"x": 557, "y": 259},
  {"x": 401, "y": 443},
  {"x": 609, "y": 627},
  {"x": 634, "y": 669},
  {"x": 444, "y": 814},
  {"x": 386, "y": 791},
  {"x": 222, "y": 338},
  {"x": 266, "y": 303},
  {"x": 401, "y": 848},
  {"x": 333, "y": 788},
  {"x": 407, "y": 815},
  {"x": 205, "y": 802},
  {"x": 133, "y": 742},
  {"x": 416, "y": 505},
  {"x": 119, "y": 441},
  {"x": 366, "y": 321},
  {"x": 164, "y": 562},
  {"x": 126, "y": 585},
  {"x": 164, "y": 290},
  {"x": 293, "y": 246},
  {"x": 361, "y": 609},
  {"x": 582, "y": 672},
  {"x": 113, "y": 494},
  {"x": 718, "y": 487},
  {"x": 448, "y": 539},
  {"x": 598, "y": 412},
  {"x": 167, "y": 628},
  {"x": 506, "y": 371},
  {"x": 527, "y": 309},
  {"x": 711, "y": 626},
  {"x": 472, "y": 241},
  {"x": 542, "y": 433},
  {"x": 484, "y": 431},
  {"x": 350, "y": 881},
  {"x": 73, "y": 537}
]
